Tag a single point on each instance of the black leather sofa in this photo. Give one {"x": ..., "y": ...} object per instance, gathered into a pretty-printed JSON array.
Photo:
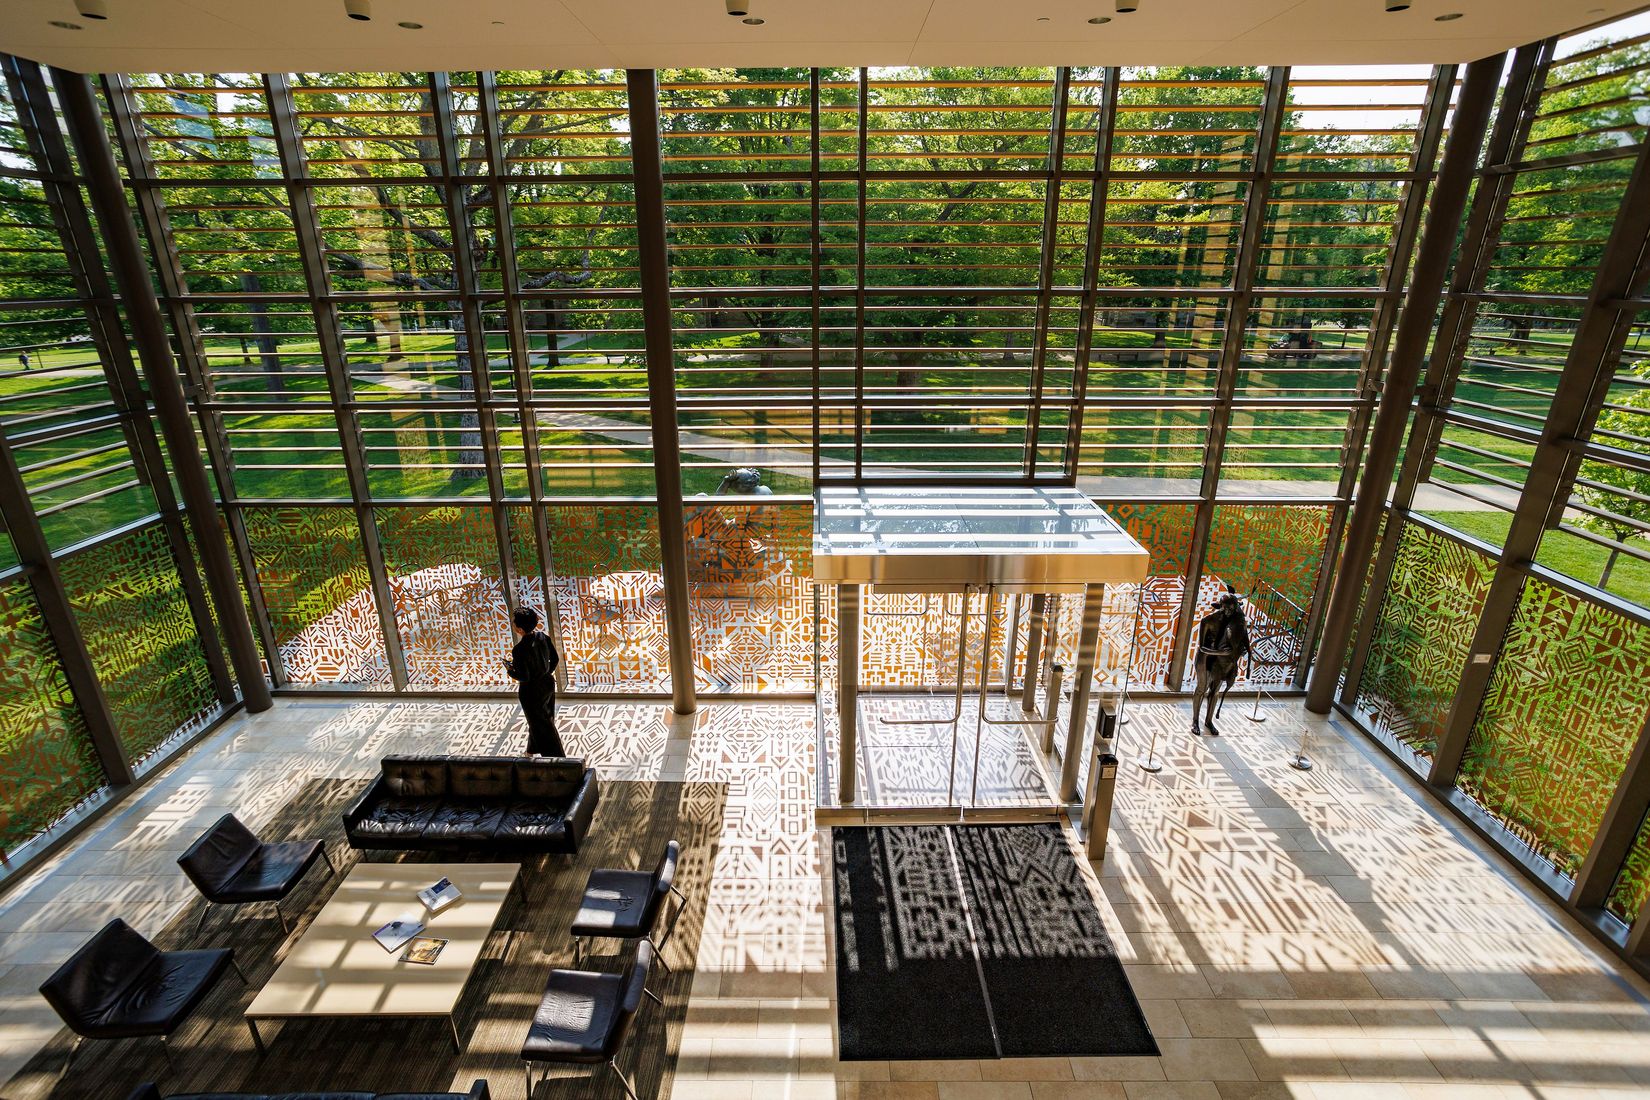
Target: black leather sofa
[
  {"x": 148, "y": 1091},
  {"x": 488, "y": 804}
]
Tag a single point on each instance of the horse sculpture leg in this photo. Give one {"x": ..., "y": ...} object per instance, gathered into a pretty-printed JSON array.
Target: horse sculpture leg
[
  {"x": 1200, "y": 689},
  {"x": 1212, "y": 698}
]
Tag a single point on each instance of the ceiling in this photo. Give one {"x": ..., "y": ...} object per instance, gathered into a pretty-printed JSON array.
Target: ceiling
[{"x": 316, "y": 36}]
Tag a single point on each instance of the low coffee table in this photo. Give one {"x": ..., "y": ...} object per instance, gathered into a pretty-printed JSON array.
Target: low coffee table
[{"x": 337, "y": 969}]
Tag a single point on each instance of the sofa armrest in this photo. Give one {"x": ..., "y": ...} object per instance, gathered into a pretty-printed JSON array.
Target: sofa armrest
[
  {"x": 583, "y": 807},
  {"x": 358, "y": 808},
  {"x": 478, "y": 1091},
  {"x": 145, "y": 1091}
]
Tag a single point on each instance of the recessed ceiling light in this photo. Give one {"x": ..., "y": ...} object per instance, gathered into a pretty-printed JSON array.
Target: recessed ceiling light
[
  {"x": 498, "y": 22},
  {"x": 1450, "y": 18},
  {"x": 753, "y": 21},
  {"x": 1042, "y": 19},
  {"x": 411, "y": 26},
  {"x": 1099, "y": 19},
  {"x": 65, "y": 25}
]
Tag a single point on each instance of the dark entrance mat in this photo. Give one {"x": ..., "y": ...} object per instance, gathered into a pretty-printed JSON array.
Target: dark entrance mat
[
  {"x": 907, "y": 984},
  {"x": 977, "y": 941},
  {"x": 214, "y": 1051},
  {"x": 1052, "y": 976}
]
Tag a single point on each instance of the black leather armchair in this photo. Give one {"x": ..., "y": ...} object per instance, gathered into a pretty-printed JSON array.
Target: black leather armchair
[
  {"x": 148, "y": 1091},
  {"x": 121, "y": 986},
  {"x": 626, "y": 905},
  {"x": 584, "y": 1017},
  {"x": 231, "y": 866}
]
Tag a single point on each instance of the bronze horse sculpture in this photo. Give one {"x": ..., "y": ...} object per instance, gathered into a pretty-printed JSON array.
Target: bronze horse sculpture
[{"x": 1222, "y": 641}]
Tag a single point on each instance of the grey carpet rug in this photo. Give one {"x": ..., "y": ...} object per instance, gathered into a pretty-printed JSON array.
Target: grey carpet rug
[{"x": 214, "y": 1052}]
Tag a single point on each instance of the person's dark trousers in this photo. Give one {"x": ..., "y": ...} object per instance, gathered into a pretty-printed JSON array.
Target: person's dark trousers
[{"x": 542, "y": 738}]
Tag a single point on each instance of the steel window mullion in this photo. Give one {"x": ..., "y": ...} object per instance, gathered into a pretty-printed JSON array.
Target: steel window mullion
[
  {"x": 1045, "y": 269},
  {"x": 69, "y": 211},
  {"x": 464, "y": 271},
  {"x": 1244, "y": 265},
  {"x": 1522, "y": 88},
  {"x": 521, "y": 352},
  {"x": 816, "y": 257},
  {"x": 1433, "y": 116},
  {"x": 1100, "y": 185},
  {"x": 859, "y": 277},
  {"x": 1623, "y": 270},
  {"x": 283, "y": 121},
  {"x": 163, "y": 256}
]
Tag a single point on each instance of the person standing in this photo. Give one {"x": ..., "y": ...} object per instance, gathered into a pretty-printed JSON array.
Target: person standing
[{"x": 532, "y": 665}]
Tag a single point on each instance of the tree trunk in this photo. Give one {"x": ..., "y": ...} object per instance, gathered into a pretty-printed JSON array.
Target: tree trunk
[
  {"x": 472, "y": 462},
  {"x": 269, "y": 355},
  {"x": 1609, "y": 567}
]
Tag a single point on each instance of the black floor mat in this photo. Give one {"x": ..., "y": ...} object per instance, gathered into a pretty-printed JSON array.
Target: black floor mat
[
  {"x": 907, "y": 983},
  {"x": 1052, "y": 976},
  {"x": 974, "y": 942}
]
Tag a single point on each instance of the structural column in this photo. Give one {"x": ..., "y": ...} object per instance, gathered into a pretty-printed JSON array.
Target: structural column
[
  {"x": 1409, "y": 349},
  {"x": 1088, "y": 645},
  {"x": 847, "y": 692},
  {"x": 1601, "y": 333},
  {"x": 654, "y": 260},
  {"x": 131, "y": 271},
  {"x": 1244, "y": 264}
]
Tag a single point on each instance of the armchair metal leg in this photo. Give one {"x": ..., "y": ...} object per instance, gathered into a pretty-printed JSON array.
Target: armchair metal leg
[
  {"x": 613, "y": 1064},
  {"x": 284, "y": 927},
  {"x": 239, "y": 973},
  {"x": 206, "y": 907},
  {"x": 69, "y": 1061},
  {"x": 166, "y": 1048},
  {"x": 328, "y": 861},
  {"x": 659, "y": 955},
  {"x": 654, "y": 995},
  {"x": 527, "y": 1071}
]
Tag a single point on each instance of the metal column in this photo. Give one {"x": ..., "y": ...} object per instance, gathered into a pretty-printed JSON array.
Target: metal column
[
  {"x": 847, "y": 694},
  {"x": 1088, "y": 644},
  {"x": 1231, "y": 358},
  {"x": 654, "y": 260},
  {"x": 131, "y": 271},
  {"x": 1622, "y": 273},
  {"x": 1449, "y": 200},
  {"x": 328, "y": 335}
]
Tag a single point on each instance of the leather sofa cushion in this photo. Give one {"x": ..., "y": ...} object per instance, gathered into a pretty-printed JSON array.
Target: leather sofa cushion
[
  {"x": 549, "y": 778},
  {"x": 472, "y": 777},
  {"x": 410, "y": 777},
  {"x": 398, "y": 818},
  {"x": 530, "y": 821},
  {"x": 464, "y": 819}
]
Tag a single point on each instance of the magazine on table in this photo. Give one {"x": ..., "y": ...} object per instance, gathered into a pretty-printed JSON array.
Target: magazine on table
[
  {"x": 438, "y": 897},
  {"x": 425, "y": 950},
  {"x": 394, "y": 935}
]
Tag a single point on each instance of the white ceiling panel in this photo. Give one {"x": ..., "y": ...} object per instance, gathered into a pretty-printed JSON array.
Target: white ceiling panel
[{"x": 315, "y": 35}]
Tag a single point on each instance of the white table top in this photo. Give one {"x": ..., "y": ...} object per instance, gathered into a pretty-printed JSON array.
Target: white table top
[{"x": 337, "y": 969}]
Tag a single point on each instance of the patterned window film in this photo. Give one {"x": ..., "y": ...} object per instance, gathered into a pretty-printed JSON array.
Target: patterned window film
[
  {"x": 312, "y": 574},
  {"x": 47, "y": 764},
  {"x": 141, "y": 637},
  {"x": 1425, "y": 626},
  {"x": 1567, "y": 701}
]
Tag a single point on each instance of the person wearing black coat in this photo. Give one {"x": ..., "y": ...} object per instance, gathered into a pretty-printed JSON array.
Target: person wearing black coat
[{"x": 532, "y": 665}]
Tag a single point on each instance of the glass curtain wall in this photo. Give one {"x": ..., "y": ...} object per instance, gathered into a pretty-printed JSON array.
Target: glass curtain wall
[
  {"x": 411, "y": 306},
  {"x": 1505, "y": 633},
  {"x": 109, "y": 648}
]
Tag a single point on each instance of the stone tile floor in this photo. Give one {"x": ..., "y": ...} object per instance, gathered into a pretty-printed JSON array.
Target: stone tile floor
[{"x": 1326, "y": 934}]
